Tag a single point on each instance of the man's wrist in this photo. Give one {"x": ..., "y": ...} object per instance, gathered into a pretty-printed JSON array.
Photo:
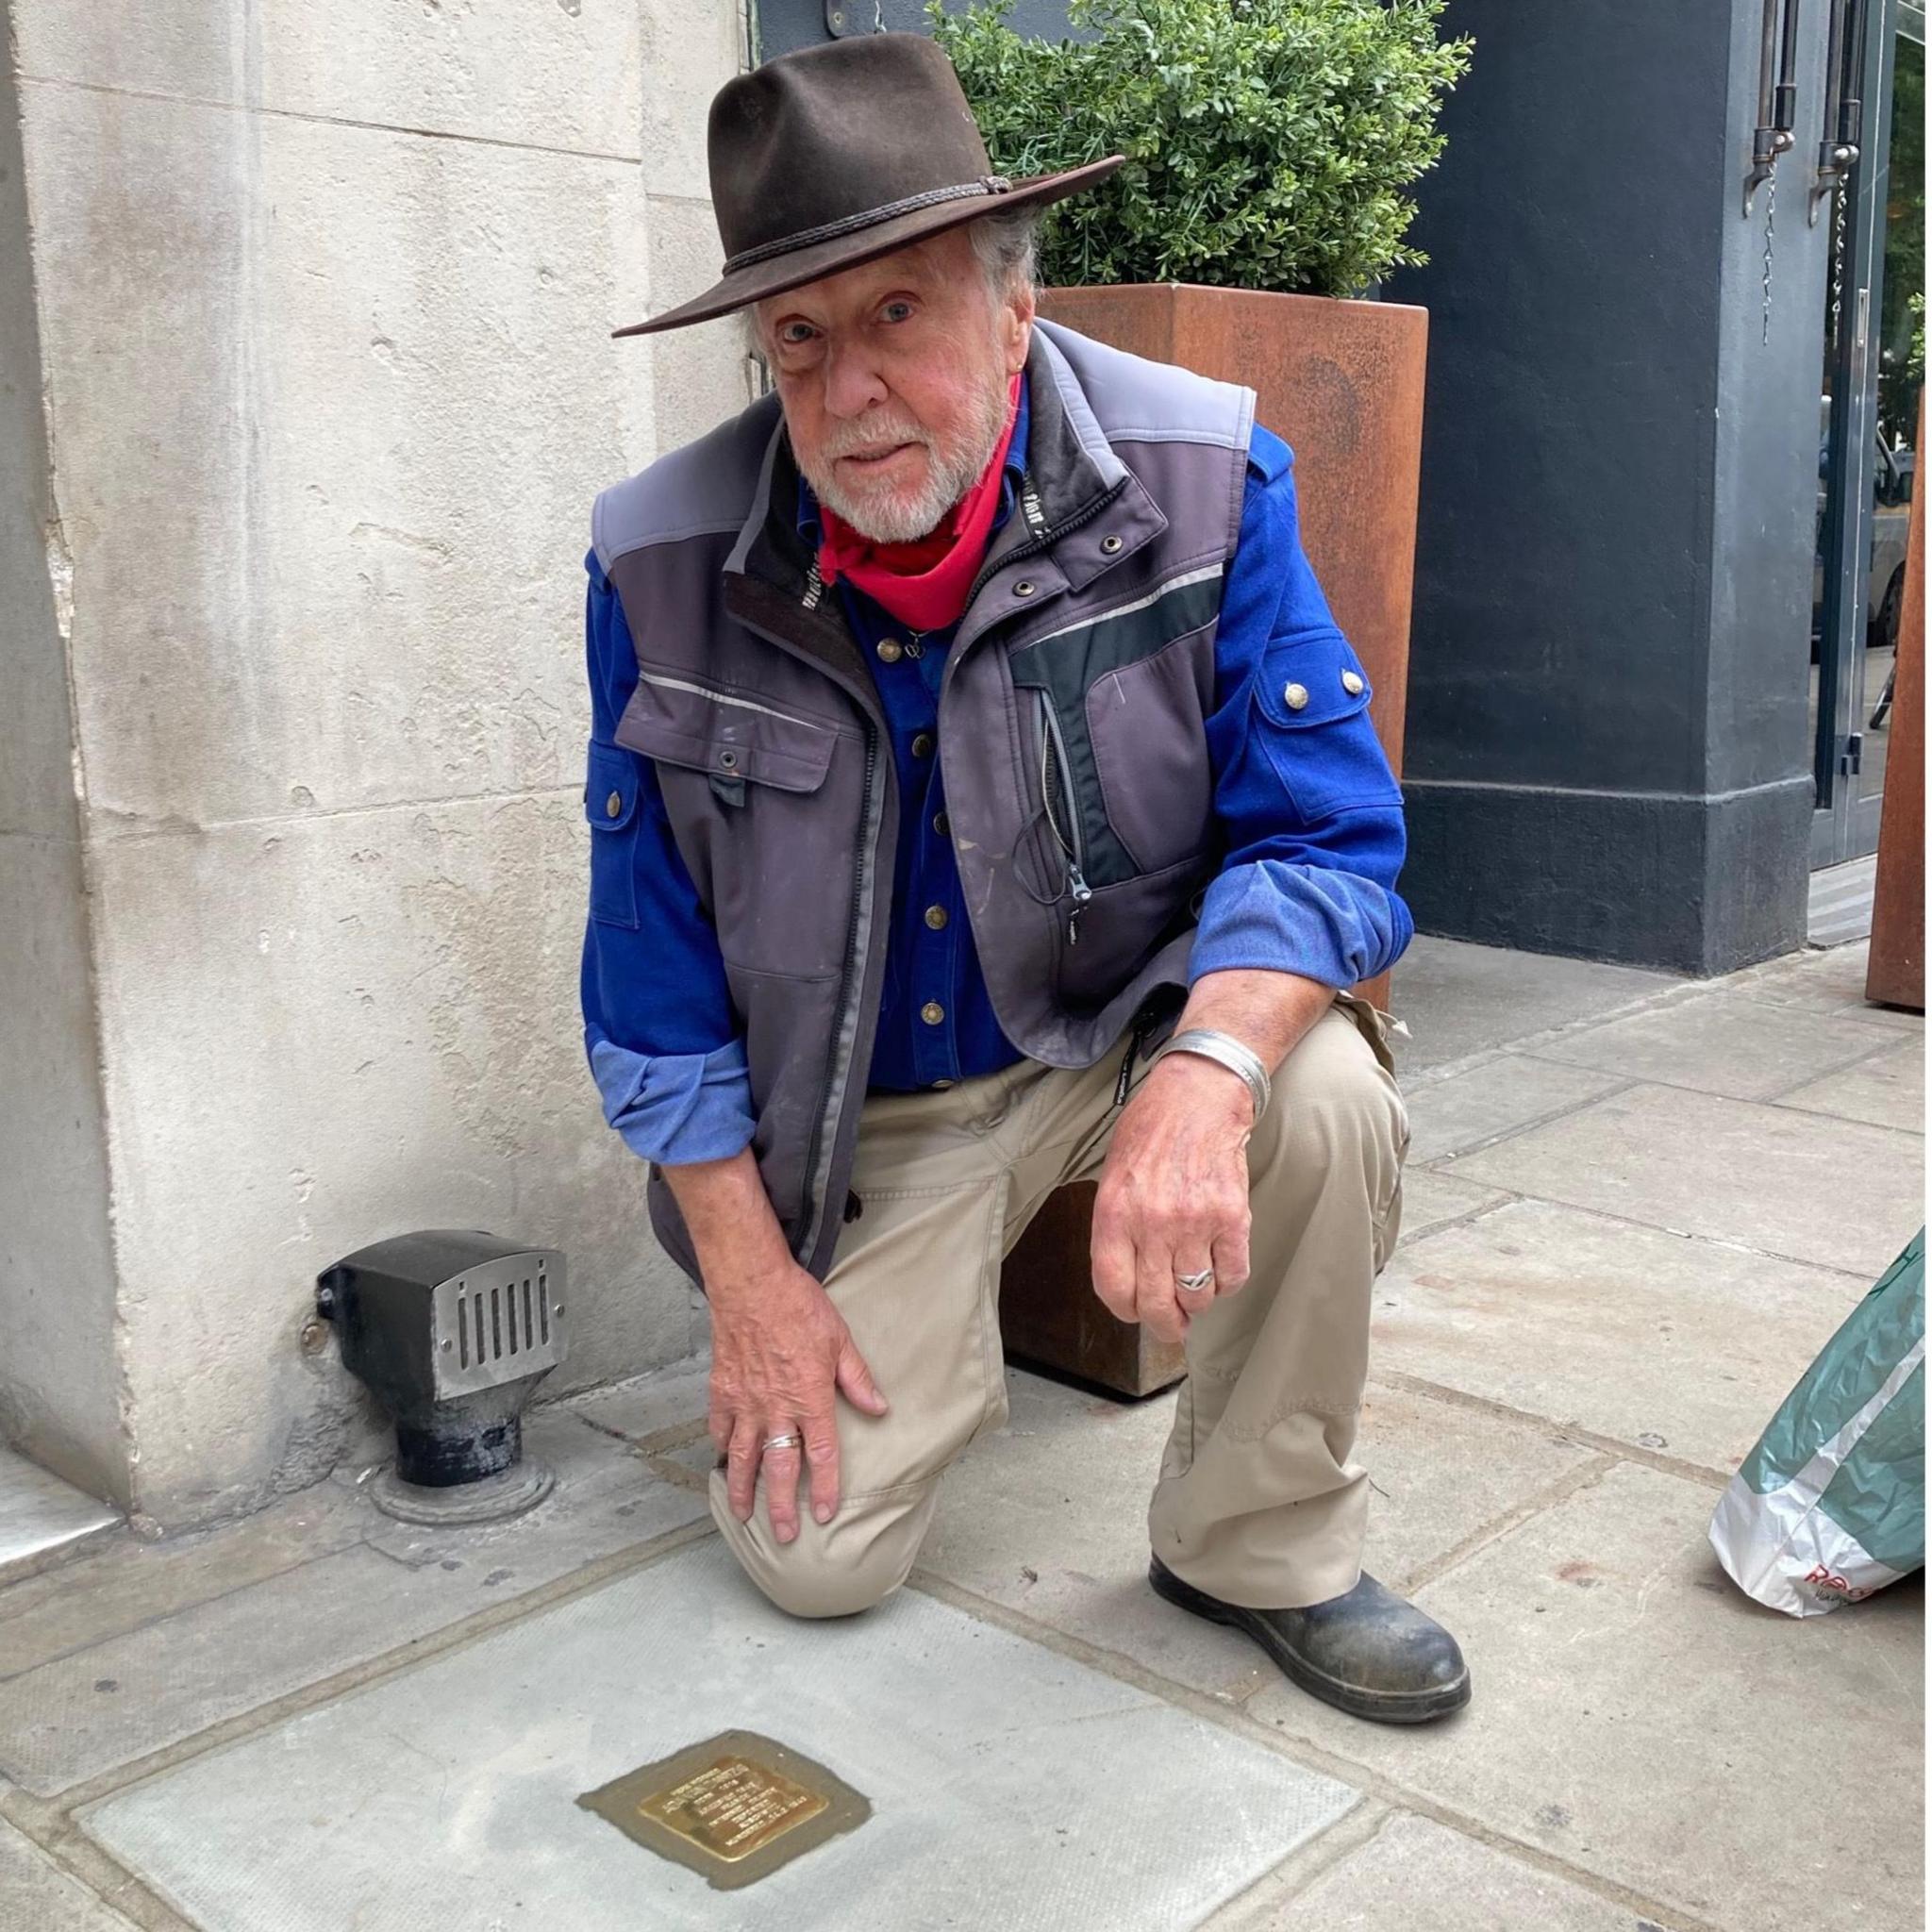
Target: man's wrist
[
  {"x": 1224, "y": 1050},
  {"x": 1200, "y": 1084}
]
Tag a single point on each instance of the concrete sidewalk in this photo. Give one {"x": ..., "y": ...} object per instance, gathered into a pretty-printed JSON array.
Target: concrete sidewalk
[{"x": 1636, "y": 1208}]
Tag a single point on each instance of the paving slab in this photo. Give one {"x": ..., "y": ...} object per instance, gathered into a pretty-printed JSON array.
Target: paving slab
[
  {"x": 36, "y": 1895},
  {"x": 648, "y": 1407},
  {"x": 1010, "y": 1787},
  {"x": 1501, "y": 1096},
  {"x": 1637, "y": 1717},
  {"x": 126, "y": 1582},
  {"x": 1460, "y": 999},
  {"x": 118, "y": 1700},
  {"x": 1048, "y": 1515},
  {"x": 1415, "y": 1871},
  {"x": 1429, "y": 1201},
  {"x": 1833, "y": 1193},
  {"x": 42, "y": 1519},
  {"x": 1721, "y": 1043},
  {"x": 1665, "y": 1341},
  {"x": 1827, "y": 980},
  {"x": 1888, "y": 1091}
]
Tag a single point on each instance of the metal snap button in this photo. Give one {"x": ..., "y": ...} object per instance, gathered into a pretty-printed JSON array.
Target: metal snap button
[
  {"x": 613, "y": 805},
  {"x": 728, "y": 760},
  {"x": 1109, "y": 545},
  {"x": 940, "y": 1086},
  {"x": 1024, "y": 588},
  {"x": 941, "y": 823},
  {"x": 922, "y": 745},
  {"x": 936, "y": 917},
  {"x": 932, "y": 1012},
  {"x": 1296, "y": 697},
  {"x": 1352, "y": 683},
  {"x": 888, "y": 652}
]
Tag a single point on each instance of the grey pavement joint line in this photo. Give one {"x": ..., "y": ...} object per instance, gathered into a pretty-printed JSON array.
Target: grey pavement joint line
[
  {"x": 1555, "y": 1114},
  {"x": 1702, "y": 1473},
  {"x": 671, "y": 1470},
  {"x": 121, "y": 1890},
  {"x": 458, "y": 1635},
  {"x": 1892, "y": 1042},
  {"x": 1359, "y": 1826},
  {"x": 1469, "y": 1215},
  {"x": 1584, "y": 1475},
  {"x": 141, "y": 93},
  {"x": 1445, "y": 1167},
  {"x": 1304, "y": 1752}
]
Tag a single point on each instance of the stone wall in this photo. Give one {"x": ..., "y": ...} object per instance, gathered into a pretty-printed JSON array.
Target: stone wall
[{"x": 321, "y": 302}]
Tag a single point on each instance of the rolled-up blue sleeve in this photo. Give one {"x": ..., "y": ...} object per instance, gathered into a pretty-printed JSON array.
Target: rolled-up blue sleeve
[
  {"x": 664, "y": 1045},
  {"x": 1309, "y": 809}
]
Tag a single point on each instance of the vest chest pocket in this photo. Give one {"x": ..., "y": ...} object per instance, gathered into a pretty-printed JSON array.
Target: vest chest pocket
[{"x": 764, "y": 812}]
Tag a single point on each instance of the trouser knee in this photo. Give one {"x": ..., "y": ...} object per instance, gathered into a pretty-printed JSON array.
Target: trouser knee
[{"x": 835, "y": 1570}]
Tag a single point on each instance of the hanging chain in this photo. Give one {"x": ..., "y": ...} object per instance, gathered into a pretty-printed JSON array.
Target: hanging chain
[
  {"x": 1838, "y": 260},
  {"x": 1769, "y": 231}
]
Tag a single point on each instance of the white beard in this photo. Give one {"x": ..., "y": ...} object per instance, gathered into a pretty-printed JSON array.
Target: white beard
[{"x": 895, "y": 517}]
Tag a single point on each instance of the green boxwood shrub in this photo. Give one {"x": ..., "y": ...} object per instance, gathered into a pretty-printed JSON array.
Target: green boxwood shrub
[{"x": 1269, "y": 143}]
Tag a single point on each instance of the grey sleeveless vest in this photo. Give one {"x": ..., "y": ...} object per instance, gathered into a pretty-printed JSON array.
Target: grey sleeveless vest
[{"x": 1071, "y": 740}]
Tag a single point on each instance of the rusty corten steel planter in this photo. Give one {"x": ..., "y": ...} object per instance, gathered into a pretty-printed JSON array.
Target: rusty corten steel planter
[{"x": 1342, "y": 384}]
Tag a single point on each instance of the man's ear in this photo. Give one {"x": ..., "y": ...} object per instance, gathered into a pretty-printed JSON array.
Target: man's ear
[{"x": 1016, "y": 328}]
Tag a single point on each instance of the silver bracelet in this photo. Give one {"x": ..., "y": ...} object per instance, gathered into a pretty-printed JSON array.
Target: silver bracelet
[{"x": 1227, "y": 1050}]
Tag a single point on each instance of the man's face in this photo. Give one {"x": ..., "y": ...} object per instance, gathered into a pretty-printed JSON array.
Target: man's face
[{"x": 893, "y": 377}]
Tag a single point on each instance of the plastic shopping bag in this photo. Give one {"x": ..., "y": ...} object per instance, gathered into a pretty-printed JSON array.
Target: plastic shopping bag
[{"x": 1831, "y": 1504}]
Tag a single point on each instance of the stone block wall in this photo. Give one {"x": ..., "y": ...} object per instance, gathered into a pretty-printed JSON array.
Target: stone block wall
[{"x": 311, "y": 391}]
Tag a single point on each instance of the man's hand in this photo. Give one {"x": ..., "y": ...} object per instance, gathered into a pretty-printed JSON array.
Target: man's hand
[
  {"x": 780, "y": 1356},
  {"x": 1173, "y": 1195}
]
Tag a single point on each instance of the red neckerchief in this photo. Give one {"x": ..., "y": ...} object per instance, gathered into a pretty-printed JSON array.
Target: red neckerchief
[{"x": 925, "y": 583}]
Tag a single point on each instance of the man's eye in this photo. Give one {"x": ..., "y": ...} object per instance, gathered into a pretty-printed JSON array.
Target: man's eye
[
  {"x": 898, "y": 311},
  {"x": 795, "y": 333}
]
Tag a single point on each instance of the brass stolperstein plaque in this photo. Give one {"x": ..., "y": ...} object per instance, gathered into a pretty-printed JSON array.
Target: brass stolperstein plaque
[{"x": 735, "y": 1807}]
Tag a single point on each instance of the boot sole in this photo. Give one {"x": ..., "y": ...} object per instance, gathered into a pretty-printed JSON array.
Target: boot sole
[{"x": 1378, "y": 1707}]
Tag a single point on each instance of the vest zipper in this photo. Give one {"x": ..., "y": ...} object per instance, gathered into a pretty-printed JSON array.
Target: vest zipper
[
  {"x": 817, "y": 1129},
  {"x": 1054, "y": 786}
]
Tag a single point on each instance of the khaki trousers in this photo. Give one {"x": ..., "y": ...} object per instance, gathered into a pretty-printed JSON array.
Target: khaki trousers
[{"x": 1256, "y": 1501}]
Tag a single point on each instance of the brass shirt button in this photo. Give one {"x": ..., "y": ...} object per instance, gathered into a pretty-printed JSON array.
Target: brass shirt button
[
  {"x": 889, "y": 651},
  {"x": 1352, "y": 683},
  {"x": 922, "y": 745},
  {"x": 932, "y": 1012},
  {"x": 1296, "y": 697},
  {"x": 936, "y": 917},
  {"x": 613, "y": 805}
]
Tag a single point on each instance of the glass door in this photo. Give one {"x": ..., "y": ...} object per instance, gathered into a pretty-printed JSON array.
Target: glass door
[{"x": 1873, "y": 367}]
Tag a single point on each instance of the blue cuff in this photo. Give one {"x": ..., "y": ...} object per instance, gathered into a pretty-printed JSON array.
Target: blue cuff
[
  {"x": 1334, "y": 927},
  {"x": 675, "y": 1108}
]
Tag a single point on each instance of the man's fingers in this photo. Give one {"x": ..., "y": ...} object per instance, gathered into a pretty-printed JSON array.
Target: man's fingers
[
  {"x": 1160, "y": 1314},
  {"x": 1111, "y": 1264},
  {"x": 1231, "y": 1258},
  {"x": 821, "y": 1458},
  {"x": 742, "y": 1467},
  {"x": 855, "y": 1380},
  {"x": 781, "y": 1463}
]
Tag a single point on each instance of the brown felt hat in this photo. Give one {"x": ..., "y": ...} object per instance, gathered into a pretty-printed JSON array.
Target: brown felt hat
[{"x": 836, "y": 155}]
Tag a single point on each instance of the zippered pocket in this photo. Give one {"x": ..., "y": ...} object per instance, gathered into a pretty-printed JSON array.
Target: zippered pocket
[{"x": 1063, "y": 812}]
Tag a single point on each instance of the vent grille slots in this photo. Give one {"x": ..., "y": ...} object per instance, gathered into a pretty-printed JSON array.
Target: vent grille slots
[{"x": 487, "y": 1328}]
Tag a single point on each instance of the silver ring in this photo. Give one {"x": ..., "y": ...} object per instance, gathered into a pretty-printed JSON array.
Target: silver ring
[
  {"x": 779, "y": 1443},
  {"x": 1194, "y": 1284}
]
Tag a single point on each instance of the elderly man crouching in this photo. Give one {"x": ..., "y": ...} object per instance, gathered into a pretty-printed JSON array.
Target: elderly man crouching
[{"x": 984, "y": 799}]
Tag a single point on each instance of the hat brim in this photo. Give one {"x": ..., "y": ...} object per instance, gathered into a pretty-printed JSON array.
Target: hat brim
[{"x": 797, "y": 266}]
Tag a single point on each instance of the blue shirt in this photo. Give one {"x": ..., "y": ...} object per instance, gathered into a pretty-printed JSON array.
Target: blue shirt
[{"x": 1309, "y": 812}]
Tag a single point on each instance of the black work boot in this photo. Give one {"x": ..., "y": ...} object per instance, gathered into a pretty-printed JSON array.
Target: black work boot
[{"x": 1367, "y": 1653}]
